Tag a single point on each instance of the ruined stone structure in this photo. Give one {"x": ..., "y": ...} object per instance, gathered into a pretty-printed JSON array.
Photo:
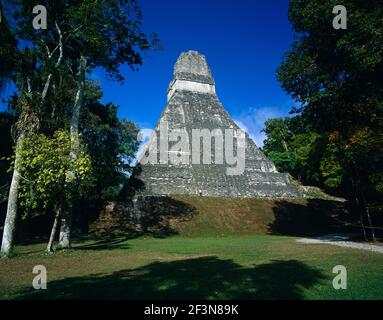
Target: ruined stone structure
[{"x": 193, "y": 104}]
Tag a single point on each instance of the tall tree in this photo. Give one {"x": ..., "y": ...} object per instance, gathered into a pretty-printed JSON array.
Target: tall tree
[
  {"x": 111, "y": 144},
  {"x": 33, "y": 79},
  {"x": 104, "y": 34},
  {"x": 80, "y": 34},
  {"x": 335, "y": 75}
]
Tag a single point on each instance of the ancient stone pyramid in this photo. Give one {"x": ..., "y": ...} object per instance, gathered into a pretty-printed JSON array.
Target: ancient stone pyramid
[{"x": 193, "y": 104}]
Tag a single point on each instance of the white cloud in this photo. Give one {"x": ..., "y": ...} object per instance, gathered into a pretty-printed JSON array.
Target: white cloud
[
  {"x": 143, "y": 137},
  {"x": 253, "y": 121}
]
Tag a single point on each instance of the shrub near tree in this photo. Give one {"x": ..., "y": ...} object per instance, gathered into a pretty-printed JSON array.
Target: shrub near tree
[{"x": 48, "y": 172}]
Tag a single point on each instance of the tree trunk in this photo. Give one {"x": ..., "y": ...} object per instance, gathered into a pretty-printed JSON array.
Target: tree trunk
[
  {"x": 363, "y": 228},
  {"x": 364, "y": 204},
  {"x": 369, "y": 220},
  {"x": 28, "y": 127},
  {"x": 367, "y": 211},
  {"x": 285, "y": 145},
  {"x": 11, "y": 217},
  {"x": 54, "y": 228},
  {"x": 65, "y": 228}
]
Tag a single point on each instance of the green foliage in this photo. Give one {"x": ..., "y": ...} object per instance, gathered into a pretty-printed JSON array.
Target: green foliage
[
  {"x": 47, "y": 169},
  {"x": 111, "y": 144},
  {"x": 293, "y": 150},
  {"x": 107, "y": 33},
  {"x": 6, "y": 143},
  {"x": 335, "y": 76},
  {"x": 332, "y": 172}
]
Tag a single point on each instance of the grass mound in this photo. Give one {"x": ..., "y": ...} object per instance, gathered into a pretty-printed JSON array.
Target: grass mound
[
  {"x": 210, "y": 216},
  {"x": 235, "y": 216}
]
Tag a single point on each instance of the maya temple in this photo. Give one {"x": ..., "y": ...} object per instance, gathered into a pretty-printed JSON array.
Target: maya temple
[{"x": 192, "y": 103}]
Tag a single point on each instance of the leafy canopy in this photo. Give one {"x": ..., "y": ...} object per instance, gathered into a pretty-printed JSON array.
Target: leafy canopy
[
  {"x": 47, "y": 169},
  {"x": 336, "y": 78}
]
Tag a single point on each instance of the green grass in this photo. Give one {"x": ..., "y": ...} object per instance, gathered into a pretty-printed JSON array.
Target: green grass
[
  {"x": 194, "y": 216},
  {"x": 242, "y": 267}
]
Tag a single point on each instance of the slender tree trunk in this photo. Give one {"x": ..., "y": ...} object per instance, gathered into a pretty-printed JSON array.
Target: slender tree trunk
[
  {"x": 365, "y": 206},
  {"x": 370, "y": 223},
  {"x": 367, "y": 210},
  {"x": 28, "y": 127},
  {"x": 66, "y": 218},
  {"x": 65, "y": 228},
  {"x": 363, "y": 228},
  {"x": 11, "y": 218},
  {"x": 54, "y": 228},
  {"x": 358, "y": 202},
  {"x": 285, "y": 145}
]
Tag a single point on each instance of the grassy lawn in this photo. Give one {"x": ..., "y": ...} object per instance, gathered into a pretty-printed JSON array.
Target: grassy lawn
[{"x": 242, "y": 267}]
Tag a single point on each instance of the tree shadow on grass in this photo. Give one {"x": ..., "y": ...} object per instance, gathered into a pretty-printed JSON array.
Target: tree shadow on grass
[
  {"x": 161, "y": 214},
  {"x": 155, "y": 216},
  {"x": 197, "y": 278},
  {"x": 107, "y": 242}
]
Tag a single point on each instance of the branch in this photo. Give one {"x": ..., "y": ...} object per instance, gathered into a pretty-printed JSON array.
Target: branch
[
  {"x": 46, "y": 48},
  {"x": 48, "y": 82},
  {"x": 60, "y": 45},
  {"x": 29, "y": 88},
  {"x": 49, "y": 53},
  {"x": 29, "y": 181},
  {"x": 69, "y": 67},
  {"x": 75, "y": 29},
  {"x": 54, "y": 50},
  {"x": 46, "y": 87}
]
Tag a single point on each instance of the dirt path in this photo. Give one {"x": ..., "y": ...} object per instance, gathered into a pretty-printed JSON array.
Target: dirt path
[{"x": 341, "y": 241}]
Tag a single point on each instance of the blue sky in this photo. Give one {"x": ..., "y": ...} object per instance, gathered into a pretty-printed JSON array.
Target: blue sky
[{"x": 243, "y": 41}]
